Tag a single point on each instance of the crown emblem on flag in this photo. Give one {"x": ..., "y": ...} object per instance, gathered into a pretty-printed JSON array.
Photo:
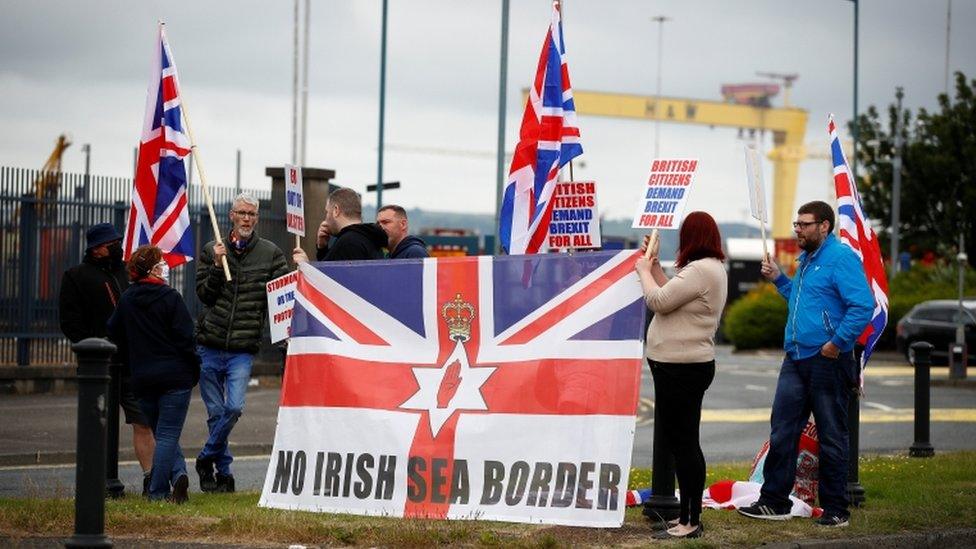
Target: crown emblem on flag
[{"x": 458, "y": 314}]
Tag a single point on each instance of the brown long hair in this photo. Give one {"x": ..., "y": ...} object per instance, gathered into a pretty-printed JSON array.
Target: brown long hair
[
  {"x": 698, "y": 238},
  {"x": 143, "y": 260}
]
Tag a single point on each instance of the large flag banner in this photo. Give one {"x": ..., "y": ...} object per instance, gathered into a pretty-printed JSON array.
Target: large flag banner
[
  {"x": 445, "y": 388},
  {"x": 856, "y": 232},
  {"x": 548, "y": 140},
  {"x": 158, "y": 214}
]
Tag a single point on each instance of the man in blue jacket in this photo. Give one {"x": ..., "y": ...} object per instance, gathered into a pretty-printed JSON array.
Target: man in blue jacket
[{"x": 829, "y": 306}]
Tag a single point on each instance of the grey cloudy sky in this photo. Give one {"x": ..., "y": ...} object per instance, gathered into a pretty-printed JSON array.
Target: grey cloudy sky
[{"x": 83, "y": 67}]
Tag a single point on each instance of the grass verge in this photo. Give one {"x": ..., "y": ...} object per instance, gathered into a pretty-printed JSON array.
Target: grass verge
[{"x": 903, "y": 495}]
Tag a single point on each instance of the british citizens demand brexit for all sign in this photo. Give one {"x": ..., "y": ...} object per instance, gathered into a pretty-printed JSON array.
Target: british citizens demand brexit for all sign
[{"x": 450, "y": 388}]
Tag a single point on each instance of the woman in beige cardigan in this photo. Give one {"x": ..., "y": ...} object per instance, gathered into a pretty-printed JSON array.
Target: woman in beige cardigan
[{"x": 680, "y": 350}]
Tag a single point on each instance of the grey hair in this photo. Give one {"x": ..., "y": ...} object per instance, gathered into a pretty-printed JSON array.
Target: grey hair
[{"x": 247, "y": 198}]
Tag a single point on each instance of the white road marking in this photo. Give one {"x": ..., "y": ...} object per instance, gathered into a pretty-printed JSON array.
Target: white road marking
[
  {"x": 121, "y": 464},
  {"x": 759, "y": 388},
  {"x": 878, "y": 406}
]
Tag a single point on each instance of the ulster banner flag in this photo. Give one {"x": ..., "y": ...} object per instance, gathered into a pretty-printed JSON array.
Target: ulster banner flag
[{"x": 447, "y": 388}]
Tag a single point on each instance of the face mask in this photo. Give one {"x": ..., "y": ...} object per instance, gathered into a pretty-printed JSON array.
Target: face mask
[
  {"x": 115, "y": 252},
  {"x": 163, "y": 271}
]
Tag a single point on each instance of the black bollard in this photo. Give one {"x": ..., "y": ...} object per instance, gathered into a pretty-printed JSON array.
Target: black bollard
[
  {"x": 662, "y": 505},
  {"x": 922, "y": 352},
  {"x": 854, "y": 489},
  {"x": 113, "y": 486},
  {"x": 93, "y": 381}
]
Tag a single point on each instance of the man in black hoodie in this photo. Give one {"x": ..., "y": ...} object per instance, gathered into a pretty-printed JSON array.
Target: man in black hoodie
[
  {"x": 343, "y": 221},
  {"x": 402, "y": 245},
  {"x": 89, "y": 294}
]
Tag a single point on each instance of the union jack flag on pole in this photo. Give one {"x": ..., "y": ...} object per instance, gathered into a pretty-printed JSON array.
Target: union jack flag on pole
[
  {"x": 548, "y": 140},
  {"x": 856, "y": 232},
  {"x": 159, "y": 214},
  {"x": 443, "y": 388}
]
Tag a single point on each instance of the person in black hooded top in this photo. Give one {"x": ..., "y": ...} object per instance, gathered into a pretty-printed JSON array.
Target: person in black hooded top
[
  {"x": 343, "y": 225},
  {"x": 154, "y": 332},
  {"x": 89, "y": 294}
]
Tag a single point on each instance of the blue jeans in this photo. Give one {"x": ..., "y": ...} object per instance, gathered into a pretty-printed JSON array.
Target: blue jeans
[
  {"x": 166, "y": 414},
  {"x": 223, "y": 384},
  {"x": 821, "y": 385}
]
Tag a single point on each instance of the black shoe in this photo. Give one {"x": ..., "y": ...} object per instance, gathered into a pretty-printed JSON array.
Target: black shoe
[
  {"x": 225, "y": 484},
  {"x": 180, "y": 488},
  {"x": 146, "y": 479},
  {"x": 833, "y": 521},
  {"x": 696, "y": 533},
  {"x": 765, "y": 512},
  {"x": 205, "y": 468}
]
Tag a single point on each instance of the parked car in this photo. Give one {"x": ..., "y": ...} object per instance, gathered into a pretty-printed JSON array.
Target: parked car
[{"x": 936, "y": 321}]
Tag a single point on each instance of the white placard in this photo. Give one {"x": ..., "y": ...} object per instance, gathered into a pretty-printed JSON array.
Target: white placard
[
  {"x": 294, "y": 200},
  {"x": 757, "y": 190},
  {"x": 665, "y": 194},
  {"x": 281, "y": 301},
  {"x": 575, "y": 221}
]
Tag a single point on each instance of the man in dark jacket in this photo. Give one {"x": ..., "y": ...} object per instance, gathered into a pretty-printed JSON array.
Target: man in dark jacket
[
  {"x": 343, "y": 224},
  {"x": 229, "y": 331},
  {"x": 89, "y": 294},
  {"x": 402, "y": 245}
]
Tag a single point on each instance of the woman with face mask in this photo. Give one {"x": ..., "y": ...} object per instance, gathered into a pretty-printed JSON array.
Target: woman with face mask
[{"x": 154, "y": 332}]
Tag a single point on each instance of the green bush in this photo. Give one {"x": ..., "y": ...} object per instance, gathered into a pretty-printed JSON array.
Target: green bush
[{"x": 757, "y": 319}]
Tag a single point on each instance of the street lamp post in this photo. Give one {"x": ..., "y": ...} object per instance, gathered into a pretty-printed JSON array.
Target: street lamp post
[
  {"x": 896, "y": 185},
  {"x": 500, "y": 154},
  {"x": 857, "y": 130},
  {"x": 379, "y": 164},
  {"x": 660, "y": 20}
]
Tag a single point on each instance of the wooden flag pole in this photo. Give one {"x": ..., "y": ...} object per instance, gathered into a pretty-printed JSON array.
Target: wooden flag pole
[
  {"x": 652, "y": 244},
  {"x": 203, "y": 183},
  {"x": 762, "y": 233}
]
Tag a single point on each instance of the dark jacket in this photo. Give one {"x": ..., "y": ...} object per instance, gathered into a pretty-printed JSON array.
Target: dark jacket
[
  {"x": 356, "y": 241},
  {"x": 89, "y": 294},
  {"x": 235, "y": 312},
  {"x": 154, "y": 332},
  {"x": 410, "y": 247}
]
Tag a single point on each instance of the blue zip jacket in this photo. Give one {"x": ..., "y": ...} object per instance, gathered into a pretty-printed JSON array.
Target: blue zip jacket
[{"x": 829, "y": 300}]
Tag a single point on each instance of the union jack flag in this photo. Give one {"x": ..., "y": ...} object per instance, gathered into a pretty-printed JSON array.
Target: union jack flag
[
  {"x": 158, "y": 214},
  {"x": 548, "y": 140},
  {"x": 856, "y": 232},
  {"x": 451, "y": 369}
]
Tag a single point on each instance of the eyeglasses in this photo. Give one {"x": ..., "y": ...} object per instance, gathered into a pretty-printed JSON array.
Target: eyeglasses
[
  {"x": 245, "y": 213},
  {"x": 804, "y": 224}
]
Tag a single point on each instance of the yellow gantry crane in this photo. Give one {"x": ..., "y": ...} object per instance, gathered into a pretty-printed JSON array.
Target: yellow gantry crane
[
  {"x": 48, "y": 180},
  {"x": 787, "y": 124}
]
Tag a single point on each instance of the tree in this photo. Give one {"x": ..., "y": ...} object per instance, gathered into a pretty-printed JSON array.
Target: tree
[{"x": 938, "y": 185}]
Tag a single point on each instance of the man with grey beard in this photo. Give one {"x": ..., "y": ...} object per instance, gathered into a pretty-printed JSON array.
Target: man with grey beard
[{"x": 229, "y": 331}]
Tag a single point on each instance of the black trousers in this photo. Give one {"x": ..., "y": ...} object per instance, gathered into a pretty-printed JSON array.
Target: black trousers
[{"x": 678, "y": 393}]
